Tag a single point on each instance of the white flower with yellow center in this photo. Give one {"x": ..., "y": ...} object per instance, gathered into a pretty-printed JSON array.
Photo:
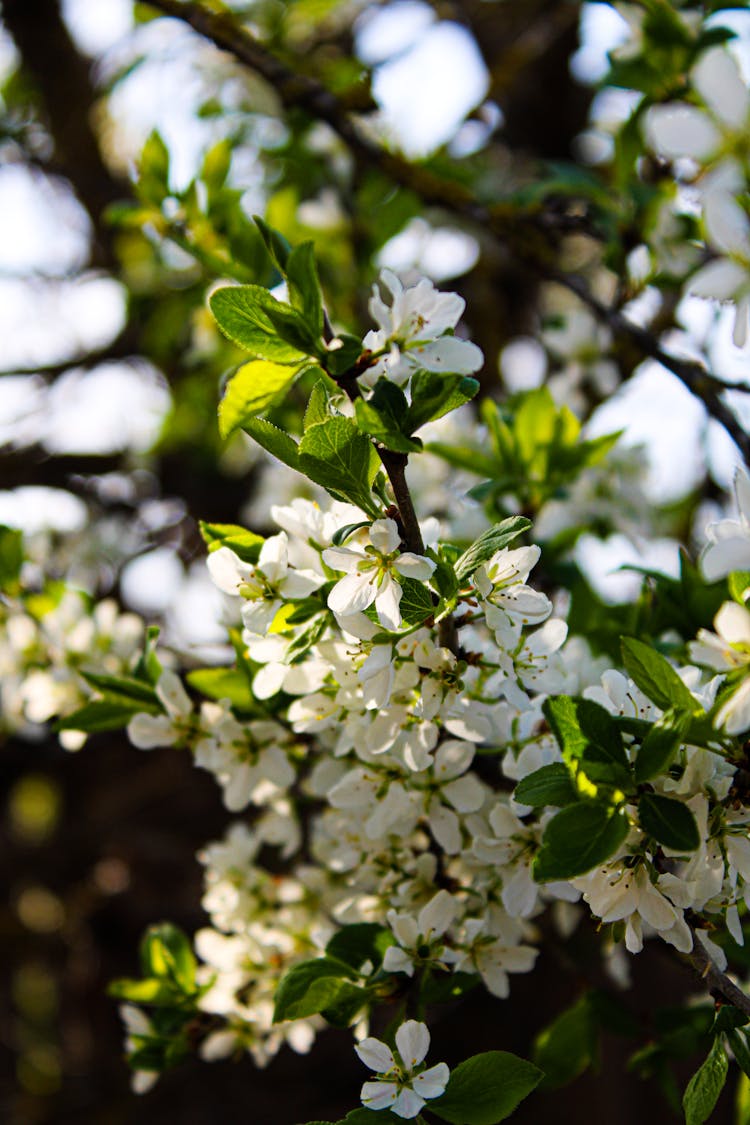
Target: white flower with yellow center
[
  {"x": 371, "y": 574},
  {"x": 401, "y": 1086}
]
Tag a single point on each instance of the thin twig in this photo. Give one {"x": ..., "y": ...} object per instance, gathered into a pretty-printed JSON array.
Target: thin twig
[{"x": 718, "y": 983}]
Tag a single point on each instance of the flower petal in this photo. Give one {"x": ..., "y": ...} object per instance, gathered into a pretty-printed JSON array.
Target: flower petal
[{"x": 413, "y": 1039}]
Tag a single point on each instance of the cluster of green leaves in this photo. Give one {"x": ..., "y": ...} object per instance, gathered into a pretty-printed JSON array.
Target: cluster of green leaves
[
  {"x": 535, "y": 451},
  {"x": 116, "y": 699},
  {"x": 598, "y": 778},
  {"x": 169, "y": 990}
]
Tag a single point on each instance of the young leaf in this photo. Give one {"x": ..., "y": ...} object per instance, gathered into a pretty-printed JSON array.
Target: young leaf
[
  {"x": 99, "y": 715},
  {"x": 166, "y": 952},
  {"x": 661, "y": 744},
  {"x": 738, "y": 1042},
  {"x": 434, "y": 394},
  {"x": 337, "y": 456},
  {"x": 578, "y": 838},
  {"x": 124, "y": 689},
  {"x": 304, "y": 287},
  {"x": 656, "y": 677},
  {"x": 485, "y": 1089},
  {"x": 668, "y": 821},
  {"x": 223, "y": 683},
  {"x": 561, "y": 713},
  {"x": 251, "y": 390},
  {"x": 491, "y": 541},
  {"x": 704, "y": 1087},
  {"x": 254, "y": 320},
  {"x": 317, "y": 407},
  {"x": 246, "y": 544},
  {"x": 550, "y": 785},
  {"x": 274, "y": 441}
]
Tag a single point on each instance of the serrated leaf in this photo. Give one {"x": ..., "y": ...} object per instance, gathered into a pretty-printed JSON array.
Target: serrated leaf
[
  {"x": 491, "y": 541},
  {"x": 550, "y": 785},
  {"x": 274, "y": 441},
  {"x": 254, "y": 320},
  {"x": 704, "y": 1087},
  {"x": 246, "y": 544},
  {"x": 485, "y": 1089},
  {"x": 434, "y": 394},
  {"x": 577, "y": 839},
  {"x": 251, "y": 390},
  {"x": 337, "y": 456},
  {"x": 661, "y": 744},
  {"x": 416, "y": 602},
  {"x": 317, "y": 407},
  {"x": 669, "y": 821},
  {"x": 656, "y": 677}
]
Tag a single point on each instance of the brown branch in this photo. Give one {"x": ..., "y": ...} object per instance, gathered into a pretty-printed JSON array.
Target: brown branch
[
  {"x": 718, "y": 983},
  {"x": 693, "y": 375},
  {"x": 528, "y": 238}
]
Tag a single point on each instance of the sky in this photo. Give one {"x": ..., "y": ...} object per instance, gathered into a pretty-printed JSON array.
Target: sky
[{"x": 428, "y": 76}]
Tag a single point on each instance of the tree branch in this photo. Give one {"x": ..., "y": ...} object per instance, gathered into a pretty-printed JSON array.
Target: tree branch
[
  {"x": 528, "y": 238},
  {"x": 719, "y": 984}
]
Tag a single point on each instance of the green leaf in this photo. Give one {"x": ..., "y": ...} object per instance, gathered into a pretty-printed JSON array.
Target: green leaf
[
  {"x": 603, "y": 759},
  {"x": 251, "y": 390},
  {"x": 312, "y": 986},
  {"x": 661, "y": 744},
  {"x": 254, "y": 320},
  {"x": 434, "y": 394},
  {"x": 657, "y": 678},
  {"x": 704, "y": 1087},
  {"x": 562, "y": 715},
  {"x": 668, "y": 821},
  {"x": 216, "y": 164},
  {"x": 153, "y": 170},
  {"x": 738, "y": 1042},
  {"x": 223, "y": 683},
  {"x": 491, "y": 541},
  {"x": 276, "y": 244},
  {"x": 550, "y": 785},
  {"x": 382, "y": 417},
  {"x": 11, "y": 556},
  {"x": 246, "y": 544},
  {"x": 416, "y": 602},
  {"x": 578, "y": 838},
  {"x": 485, "y": 1089},
  {"x": 317, "y": 407},
  {"x": 274, "y": 441},
  {"x": 360, "y": 942},
  {"x": 149, "y": 991},
  {"x": 166, "y": 952},
  {"x": 124, "y": 689},
  {"x": 337, "y": 456},
  {"x": 739, "y": 585},
  {"x": 567, "y": 1046},
  {"x": 99, "y": 715},
  {"x": 304, "y": 287}
]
